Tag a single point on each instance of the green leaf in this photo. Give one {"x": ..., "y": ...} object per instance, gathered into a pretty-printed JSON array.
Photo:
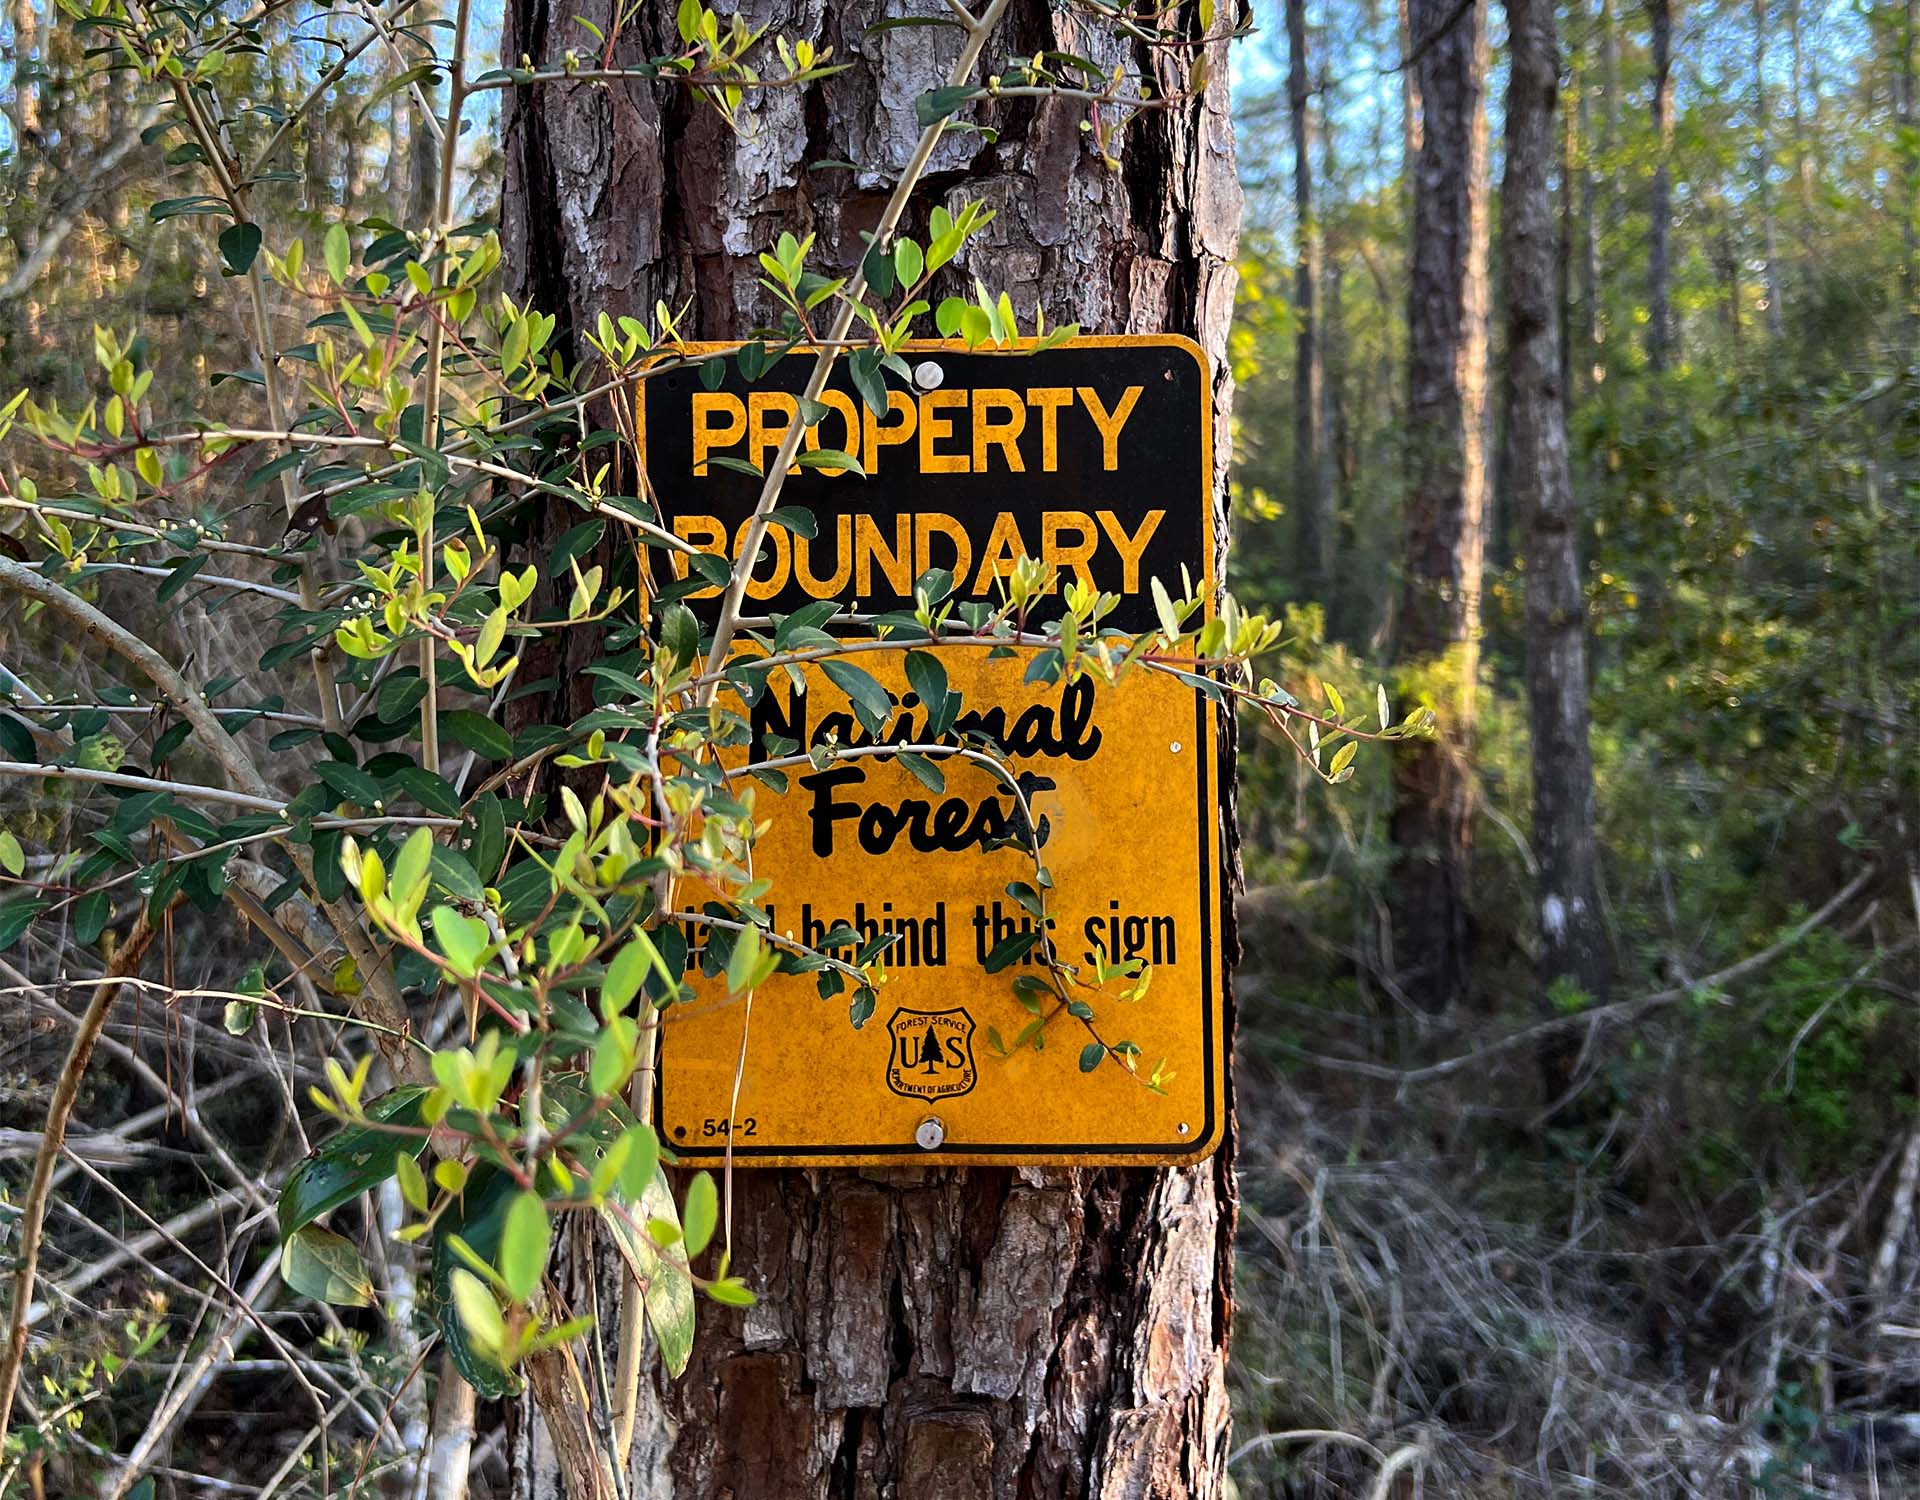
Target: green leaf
[
  {"x": 928, "y": 677},
  {"x": 870, "y": 701},
  {"x": 1010, "y": 950},
  {"x": 478, "y": 733},
  {"x": 17, "y": 914},
  {"x": 1163, "y": 606},
  {"x": 434, "y": 793},
  {"x": 90, "y": 915},
  {"x": 349, "y": 783},
  {"x": 937, "y": 104},
  {"x": 628, "y": 971},
  {"x": 908, "y": 262},
  {"x": 731, "y": 1291},
  {"x": 1090, "y": 1056},
  {"x": 350, "y": 1162},
  {"x": 338, "y": 252},
  {"x": 680, "y": 633},
  {"x": 477, "y": 1315},
  {"x": 12, "y": 858},
  {"x": 925, "y": 771},
  {"x": 797, "y": 519},
  {"x": 832, "y": 459},
  {"x": 642, "y": 1161},
  {"x": 664, "y": 1278},
  {"x": 700, "y": 1214},
  {"x": 399, "y": 696},
  {"x": 462, "y": 939},
  {"x": 320, "y": 1264},
  {"x": 524, "y": 1243},
  {"x": 239, "y": 244},
  {"x": 749, "y": 962},
  {"x": 477, "y": 1219}
]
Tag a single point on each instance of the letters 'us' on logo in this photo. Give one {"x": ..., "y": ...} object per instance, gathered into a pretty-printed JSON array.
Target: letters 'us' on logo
[{"x": 932, "y": 1056}]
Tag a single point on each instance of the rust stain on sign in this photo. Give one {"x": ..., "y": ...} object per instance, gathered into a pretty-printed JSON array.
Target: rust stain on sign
[{"x": 1100, "y": 453}]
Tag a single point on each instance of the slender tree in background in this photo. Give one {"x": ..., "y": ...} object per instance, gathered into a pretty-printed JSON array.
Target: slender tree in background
[
  {"x": 1660, "y": 199},
  {"x": 1910, "y": 197},
  {"x": 1313, "y": 535},
  {"x": 961, "y": 1333},
  {"x": 1763, "y": 171},
  {"x": 1572, "y": 937},
  {"x": 1439, "y": 628}
]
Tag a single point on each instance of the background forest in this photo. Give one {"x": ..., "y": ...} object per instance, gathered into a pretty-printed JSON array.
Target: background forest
[{"x": 1604, "y": 1188}]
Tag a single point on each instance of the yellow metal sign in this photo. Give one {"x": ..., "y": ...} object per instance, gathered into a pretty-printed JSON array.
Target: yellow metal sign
[{"x": 1099, "y": 450}]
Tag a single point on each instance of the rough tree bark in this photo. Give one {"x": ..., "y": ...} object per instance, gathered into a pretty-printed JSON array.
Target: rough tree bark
[
  {"x": 921, "y": 1334},
  {"x": 1446, "y": 502},
  {"x": 1313, "y": 523},
  {"x": 1660, "y": 200},
  {"x": 1572, "y": 940}
]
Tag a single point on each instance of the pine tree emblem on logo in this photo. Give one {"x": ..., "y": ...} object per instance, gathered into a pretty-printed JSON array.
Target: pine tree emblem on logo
[{"x": 932, "y": 1056}]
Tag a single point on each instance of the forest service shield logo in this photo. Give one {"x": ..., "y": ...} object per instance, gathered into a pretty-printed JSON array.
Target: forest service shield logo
[{"x": 932, "y": 1054}]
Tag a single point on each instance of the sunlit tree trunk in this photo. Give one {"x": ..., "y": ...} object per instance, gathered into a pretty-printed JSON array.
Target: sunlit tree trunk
[
  {"x": 1410, "y": 130},
  {"x": 1572, "y": 939},
  {"x": 935, "y": 1333},
  {"x": 24, "y": 112},
  {"x": 1439, "y": 628},
  {"x": 1313, "y": 529},
  {"x": 1660, "y": 199}
]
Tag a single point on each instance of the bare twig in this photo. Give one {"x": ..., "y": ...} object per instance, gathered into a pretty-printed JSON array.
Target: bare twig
[{"x": 33, "y": 1208}]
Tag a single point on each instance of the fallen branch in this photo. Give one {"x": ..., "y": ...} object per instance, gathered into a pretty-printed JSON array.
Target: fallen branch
[{"x": 1620, "y": 1010}]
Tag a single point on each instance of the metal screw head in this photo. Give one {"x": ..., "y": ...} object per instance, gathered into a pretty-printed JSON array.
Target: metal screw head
[
  {"x": 928, "y": 375},
  {"x": 930, "y": 1134}
]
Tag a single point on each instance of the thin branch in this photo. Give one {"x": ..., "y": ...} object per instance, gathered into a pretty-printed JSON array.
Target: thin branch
[
  {"x": 33, "y": 1207},
  {"x": 380, "y": 998}
]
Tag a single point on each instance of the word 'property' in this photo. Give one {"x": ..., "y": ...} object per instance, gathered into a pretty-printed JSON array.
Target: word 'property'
[{"x": 948, "y": 431}]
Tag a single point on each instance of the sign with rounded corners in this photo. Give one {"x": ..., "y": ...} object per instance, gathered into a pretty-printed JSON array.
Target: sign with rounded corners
[{"x": 1096, "y": 457}]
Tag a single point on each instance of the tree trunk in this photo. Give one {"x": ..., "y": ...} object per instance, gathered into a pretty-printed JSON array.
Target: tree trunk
[
  {"x": 1904, "y": 118},
  {"x": 1410, "y": 117},
  {"x": 1802, "y": 163},
  {"x": 1572, "y": 940},
  {"x": 920, "y": 1333},
  {"x": 1763, "y": 171},
  {"x": 1313, "y": 529},
  {"x": 1439, "y": 638},
  {"x": 1660, "y": 202},
  {"x": 24, "y": 110},
  {"x": 1336, "y": 424}
]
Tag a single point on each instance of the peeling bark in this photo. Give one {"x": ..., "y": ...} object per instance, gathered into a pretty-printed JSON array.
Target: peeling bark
[{"x": 934, "y": 1333}]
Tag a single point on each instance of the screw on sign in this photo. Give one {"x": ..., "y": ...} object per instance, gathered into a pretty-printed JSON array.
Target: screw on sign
[{"x": 1095, "y": 458}]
